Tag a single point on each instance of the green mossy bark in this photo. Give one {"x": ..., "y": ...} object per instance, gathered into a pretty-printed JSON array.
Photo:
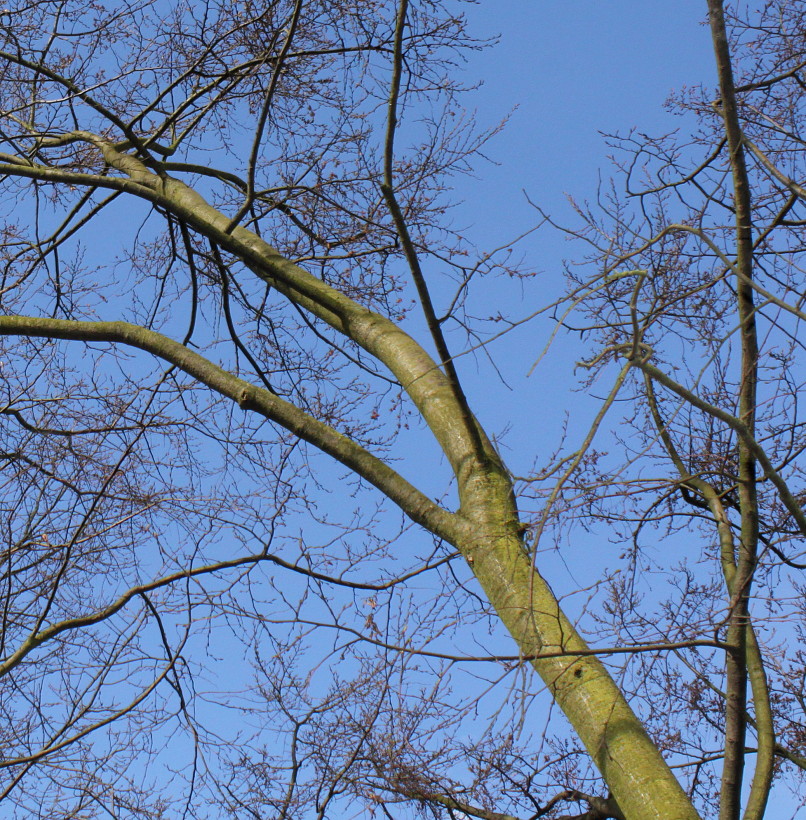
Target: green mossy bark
[{"x": 633, "y": 768}]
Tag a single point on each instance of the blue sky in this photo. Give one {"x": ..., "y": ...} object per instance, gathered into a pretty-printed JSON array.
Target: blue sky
[
  {"x": 567, "y": 73},
  {"x": 574, "y": 70}
]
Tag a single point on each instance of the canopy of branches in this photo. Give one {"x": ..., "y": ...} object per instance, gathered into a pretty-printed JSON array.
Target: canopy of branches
[{"x": 259, "y": 557}]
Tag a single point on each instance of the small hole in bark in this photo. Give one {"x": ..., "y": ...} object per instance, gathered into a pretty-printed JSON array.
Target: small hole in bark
[{"x": 577, "y": 673}]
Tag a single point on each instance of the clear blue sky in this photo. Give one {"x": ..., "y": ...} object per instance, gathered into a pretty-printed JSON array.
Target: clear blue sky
[
  {"x": 566, "y": 72},
  {"x": 573, "y": 70}
]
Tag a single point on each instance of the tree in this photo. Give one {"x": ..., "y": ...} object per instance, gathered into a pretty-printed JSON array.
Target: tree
[{"x": 220, "y": 294}]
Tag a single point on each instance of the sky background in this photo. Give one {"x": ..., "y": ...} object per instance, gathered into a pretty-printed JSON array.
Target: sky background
[{"x": 569, "y": 71}]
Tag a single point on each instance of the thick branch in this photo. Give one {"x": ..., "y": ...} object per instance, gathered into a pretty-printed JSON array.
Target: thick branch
[
  {"x": 421, "y": 377},
  {"x": 259, "y": 400}
]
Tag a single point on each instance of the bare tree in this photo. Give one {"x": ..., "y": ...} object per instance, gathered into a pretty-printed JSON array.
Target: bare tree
[{"x": 232, "y": 324}]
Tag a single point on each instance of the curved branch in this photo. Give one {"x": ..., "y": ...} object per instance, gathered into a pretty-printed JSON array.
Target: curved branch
[
  {"x": 427, "y": 386},
  {"x": 414, "y": 504}
]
